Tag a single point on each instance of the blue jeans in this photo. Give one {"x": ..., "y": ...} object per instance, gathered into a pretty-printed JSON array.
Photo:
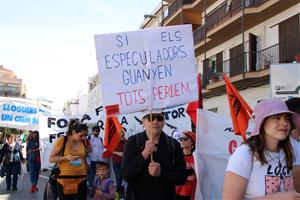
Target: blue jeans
[
  {"x": 14, "y": 170},
  {"x": 118, "y": 175},
  {"x": 34, "y": 168}
]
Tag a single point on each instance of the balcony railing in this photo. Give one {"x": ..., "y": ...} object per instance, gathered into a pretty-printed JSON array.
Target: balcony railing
[
  {"x": 199, "y": 34},
  {"x": 176, "y": 5},
  {"x": 279, "y": 53},
  {"x": 227, "y": 10},
  {"x": 221, "y": 14}
]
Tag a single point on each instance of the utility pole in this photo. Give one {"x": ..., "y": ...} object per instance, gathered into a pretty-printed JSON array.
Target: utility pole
[{"x": 243, "y": 40}]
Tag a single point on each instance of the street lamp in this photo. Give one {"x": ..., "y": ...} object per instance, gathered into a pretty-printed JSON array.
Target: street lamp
[{"x": 151, "y": 16}]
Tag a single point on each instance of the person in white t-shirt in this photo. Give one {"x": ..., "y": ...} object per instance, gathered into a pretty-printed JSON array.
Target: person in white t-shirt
[
  {"x": 262, "y": 166},
  {"x": 294, "y": 105}
]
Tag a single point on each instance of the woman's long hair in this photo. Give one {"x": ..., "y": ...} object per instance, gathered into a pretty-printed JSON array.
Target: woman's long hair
[{"x": 257, "y": 145}]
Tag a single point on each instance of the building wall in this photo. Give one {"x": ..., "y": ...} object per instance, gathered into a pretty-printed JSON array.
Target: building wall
[
  {"x": 10, "y": 85},
  {"x": 251, "y": 96},
  {"x": 266, "y": 32},
  {"x": 94, "y": 98}
]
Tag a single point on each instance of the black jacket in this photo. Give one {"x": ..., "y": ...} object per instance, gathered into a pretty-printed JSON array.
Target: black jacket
[
  {"x": 7, "y": 151},
  {"x": 143, "y": 186}
]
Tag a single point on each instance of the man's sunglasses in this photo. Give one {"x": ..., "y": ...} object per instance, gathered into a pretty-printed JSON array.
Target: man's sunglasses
[
  {"x": 183, "y": 139},
  {"x": 159, "y": 118}
]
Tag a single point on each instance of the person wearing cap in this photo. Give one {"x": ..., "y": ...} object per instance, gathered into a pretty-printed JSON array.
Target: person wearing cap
[
  {"x": 187, "y": 191},
  {"x": 262, "y": 166},
  {"x": 294, "y": 105},
  {"x": 155, "y": 178}
]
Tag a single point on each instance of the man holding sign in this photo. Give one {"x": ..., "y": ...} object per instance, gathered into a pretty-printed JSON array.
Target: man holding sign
[
  {"x": 153, "y": 177},
  {"x": 149, "y": 69}
]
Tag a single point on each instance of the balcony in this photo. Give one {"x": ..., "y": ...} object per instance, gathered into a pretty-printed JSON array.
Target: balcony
[
  {"x": 186, "y": 12},
  {"x": 174, "y": 16},
  {"x": 225, "y": 21},
  {"x": 253, "y": 73}
]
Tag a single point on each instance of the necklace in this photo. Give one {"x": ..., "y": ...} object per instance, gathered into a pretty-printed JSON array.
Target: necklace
[{"x": 277, "y": 156}]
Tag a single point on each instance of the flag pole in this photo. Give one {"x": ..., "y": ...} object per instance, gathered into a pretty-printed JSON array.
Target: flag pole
[{"x": 151, "y": 132}]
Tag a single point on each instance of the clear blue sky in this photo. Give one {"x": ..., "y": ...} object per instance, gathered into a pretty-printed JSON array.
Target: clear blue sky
[{"x": 50, "y": 43}]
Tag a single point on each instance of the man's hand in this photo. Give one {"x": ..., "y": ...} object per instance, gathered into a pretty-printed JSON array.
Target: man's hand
[
  {"x": 149, "y": 149},
  {"x": 154, "y": 169}
]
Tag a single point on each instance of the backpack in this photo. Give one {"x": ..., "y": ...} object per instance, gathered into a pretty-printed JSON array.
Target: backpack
[
  {"x": 170, "y": 143},
  {"x": 50, "y": 191}
]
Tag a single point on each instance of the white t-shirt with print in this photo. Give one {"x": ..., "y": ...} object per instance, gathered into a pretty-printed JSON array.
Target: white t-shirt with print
[{"x": 262, "y": 179}]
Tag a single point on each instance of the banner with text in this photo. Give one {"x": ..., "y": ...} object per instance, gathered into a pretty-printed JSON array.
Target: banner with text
[
  {"x": 285, "y": 80},
  {"x": 51, "y": 127},
  {"x": 147, "y": 69},
  {"x": 20, "y": 113},
  {"x": 215, "y": 143}
]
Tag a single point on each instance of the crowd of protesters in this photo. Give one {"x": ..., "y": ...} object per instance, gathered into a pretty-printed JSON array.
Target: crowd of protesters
[{"x": 154, "y": 165}]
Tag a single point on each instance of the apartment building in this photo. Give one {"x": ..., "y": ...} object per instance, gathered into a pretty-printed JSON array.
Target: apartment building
[
  {"x": 241, "y": 38},
  {"x": 10, "y": 85}
]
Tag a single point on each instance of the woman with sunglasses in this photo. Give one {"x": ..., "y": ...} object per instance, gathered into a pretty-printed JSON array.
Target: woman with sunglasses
[
  {"x": 187, "y": 191},
  {"x": 261, "y": 168},
  {"x": 72, "y": 183}
]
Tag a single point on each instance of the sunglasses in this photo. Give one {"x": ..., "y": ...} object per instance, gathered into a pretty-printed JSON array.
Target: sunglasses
[
  {"x": 183, "y": 139},
  {"x": 159, "y": 118}
]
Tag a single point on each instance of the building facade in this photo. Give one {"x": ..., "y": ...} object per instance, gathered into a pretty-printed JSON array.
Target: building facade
[
  {"x": 240, "y": 38},
  {"x": 10, "y": 85},
  {"x": 76, "y": 105}
]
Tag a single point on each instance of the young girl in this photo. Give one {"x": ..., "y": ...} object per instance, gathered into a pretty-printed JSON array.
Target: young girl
[
  {"x": 261, "y": 167},
  {"x": 104, "y": 188}
]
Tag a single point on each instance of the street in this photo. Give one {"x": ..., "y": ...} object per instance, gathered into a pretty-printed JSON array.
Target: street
[{"x": 23, "y": 189}]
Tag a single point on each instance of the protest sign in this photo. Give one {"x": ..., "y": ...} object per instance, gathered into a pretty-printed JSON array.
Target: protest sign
[
  {"x": 147, "y": 69},
  {"x": 20, "y": 113},
  {"x": 215, "y": 143}
]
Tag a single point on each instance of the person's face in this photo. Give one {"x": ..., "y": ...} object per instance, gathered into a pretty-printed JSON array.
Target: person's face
[
  {"x": 10, "y": 139},
  {"x": 277, "y": 127},
  {"x": 156, "y": 125},
  {"x": 77, "y": 136},
  {"x": 185, "y": 141},
  {"x": 102, "y": 172},
  {"x": 96, "y": 132}
]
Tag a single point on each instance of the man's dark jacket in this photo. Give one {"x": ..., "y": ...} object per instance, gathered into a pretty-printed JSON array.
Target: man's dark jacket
[{"x": 143, "y": 186}]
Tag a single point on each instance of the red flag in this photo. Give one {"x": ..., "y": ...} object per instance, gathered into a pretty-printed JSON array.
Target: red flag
[
  {"x": 112, "y": 135},
  {"x": 192, "y": 107},
  {"x": 240, "y": 111}
]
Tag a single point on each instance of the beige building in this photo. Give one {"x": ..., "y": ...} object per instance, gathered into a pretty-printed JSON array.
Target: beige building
[
  {"x": 238, "y": 37},
  {"x": 10, "y": 85}
]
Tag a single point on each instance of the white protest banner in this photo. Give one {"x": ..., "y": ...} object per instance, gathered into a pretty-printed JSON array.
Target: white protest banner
[
  {"x": 147, "y": 69},
  {"x": 215, "y": 143},
  {"x": 285, "y": 80},
  {"x": 20, "y": 113},
  {"x": 53, "y": 126}
]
